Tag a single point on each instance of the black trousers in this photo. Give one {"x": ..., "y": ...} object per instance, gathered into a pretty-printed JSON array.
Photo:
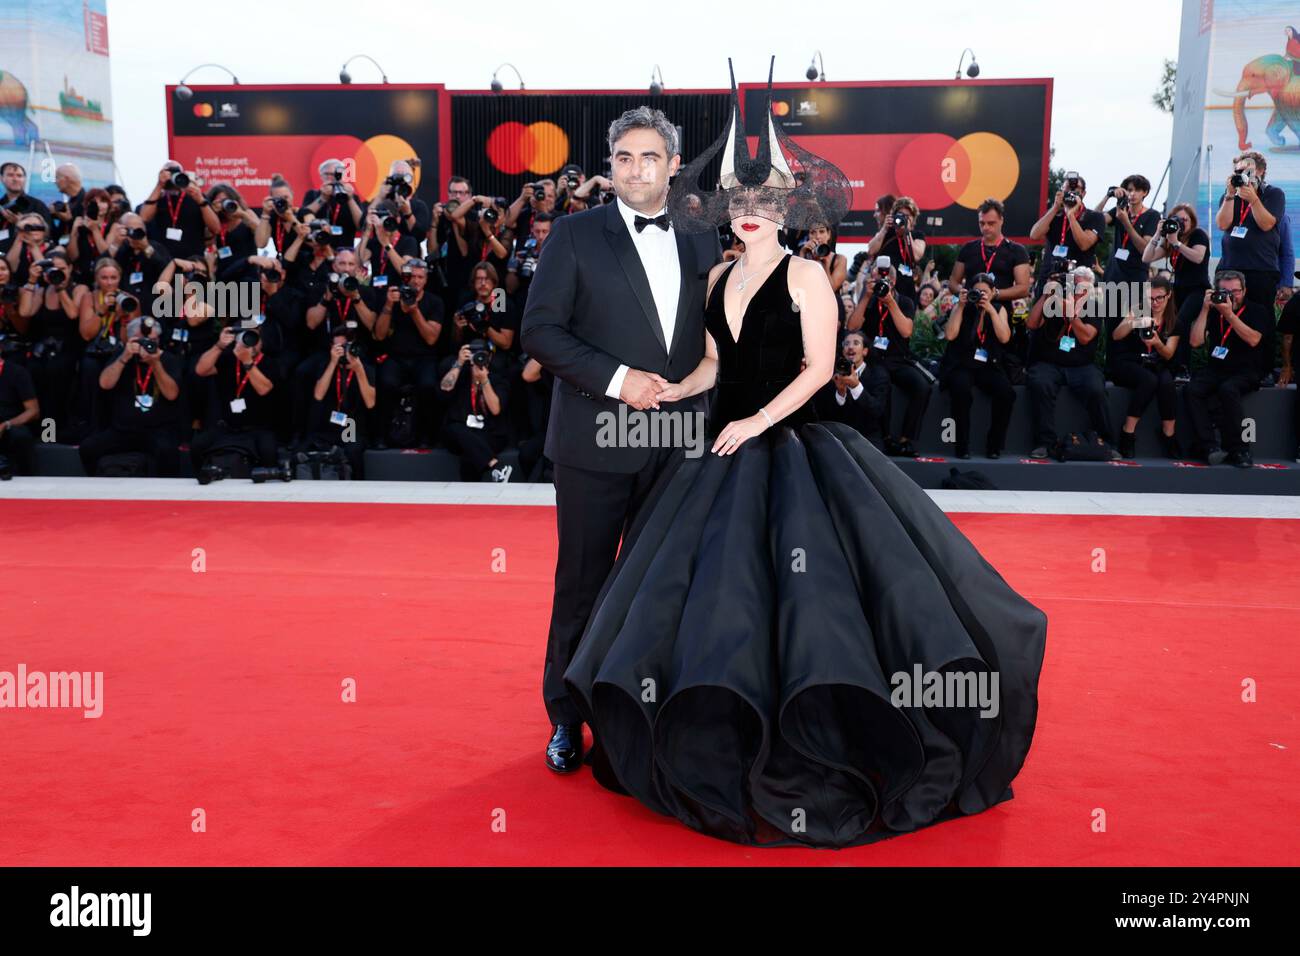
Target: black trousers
[
  {"x": 476, "y": 446},
  {"x": 1044, "y": 381},
  {"x": 914, "y": 385},
  {"x": 992, "y": 380},
  {"x": 419, "y": 372},
  {"x": 18, "y": 444},
  {"x": 157, "y": 444},
  {"x": 1145, "y": 382},
  {"x": 259, "y": 441},
  {"x": 1211, "y": 385},
  {"x": 593, "y": 509}
]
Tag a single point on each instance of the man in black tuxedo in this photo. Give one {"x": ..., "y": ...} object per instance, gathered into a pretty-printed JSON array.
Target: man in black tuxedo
[{"x": 615, "y": 313}]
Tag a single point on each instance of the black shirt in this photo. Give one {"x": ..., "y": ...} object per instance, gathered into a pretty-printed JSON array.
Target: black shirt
[
  {"x": 1241, "y": 359},
  {"x": 76, "y": 207},
  {"x": 343, "y": 394},
  {"x": 1191, "y": 276},
  {"x": 461, "y": 404},
  {"x": 405, "y": 339},
  {"x": 336, "y": 214},
  {"x": 16, "y": 387},
  {"x": 258, "y": 409},
  {"x": 1126, "y": 263},
  {"x": 382, "y": 271},
  {"x": 878, "y": 321},
  {"x": 900, "y": 256},
  {"x": 138, "y": 379},
  {"x": 1289, "y": 324},
  {"x": 339, "y": 311},
  {"x": 1052, "y": 260},
  {"x": 177, "y": 210},
  {"x": 234, "y": 247},
  {"x": 976, "y": 333},
  {"x": 503, "y": 320},
  {"x": 1258, "y": 249},
  {"x": 1047, "y": 339},
  {"x": 975, "y": 258},
  {"x": 140, "y": 272},
  {"x": 22, "y": 203},
  {"x": 1132, "y": 347}
]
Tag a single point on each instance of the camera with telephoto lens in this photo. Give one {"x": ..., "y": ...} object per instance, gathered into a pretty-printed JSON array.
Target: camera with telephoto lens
[
  {"x": 180, "y": 179},
  {"x": 92, "y": 209},
  {"x": 843, "y": 366},
  {"x": 344, "y": 283},
  {"x": 126, "y": 302},
  {"x": 51, "y": 273},
  {"x": 1170, "y": 227},
  {"x": 409, "y": 294},
  {"x": 479, "y": 353},
  {"x": 400, "y": 183},
  {"x": 899, "y": 219},
  {"x": 881, "y": 288},
  {"x": 1241, "y": 177},
  {"x": 476, "y": 314},
  {"x": 1220, "y": 296},
  {"x": 261, "y": 473},
  {"x": 248, "y": 338},
  {"x": 390, "y": 224},
  {"x": 229, "y": 205},
  {"x": 975, "y": 296},
  {"x": 137, "y": 233},
  {"x": 280, "y": 204}
]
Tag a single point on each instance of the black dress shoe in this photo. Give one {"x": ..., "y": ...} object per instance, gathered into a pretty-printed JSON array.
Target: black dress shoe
[
  {"x": 992, "y": 453},
  {"x": 564, "y": 752},
  {"x": 1242, "y": 459}
]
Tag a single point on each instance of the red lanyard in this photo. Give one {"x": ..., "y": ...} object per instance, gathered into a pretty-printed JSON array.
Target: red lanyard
[
  {"x": 142, "y": 387},
  {"x": 980, "y": 331},
  {"x": 175, "y": 211},
  {"x": 988, "y": 260},
  {"x": 223, "y": 238},
  {"x": 1227, "y": 326},
  {"x": 884, "y": 310},
  {"x": 345, "y": 306},
  {"x": 30, "y": 257},
  {"x": 1244, "y": 212},
  {"x": 339, "y": 387},
  {"x": 904, "y": 254},
  {"x": 334, "y": 215},
  {"x": 103, "y": 230},
  {"x": 473, "y": 397},
  {"x": 1123, "y": 239},
  {"x": 1173, "y": 260},
  {"x": 239, "y": 385},
  {"x": 279, "y": 235},
  {"x": 1065, "y": 220},
  {"x": 487, "y": 249}
]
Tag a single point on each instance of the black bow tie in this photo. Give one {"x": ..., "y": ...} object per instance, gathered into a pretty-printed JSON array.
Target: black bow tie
[{"x": 642, "y": 221}]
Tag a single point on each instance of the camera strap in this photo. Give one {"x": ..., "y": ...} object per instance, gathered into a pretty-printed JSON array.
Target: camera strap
[
  {"x": 1124, "y": 236},
  {"x": 884, "y": 311},
  {"x": 904, "y": 252},
  {"x": 239, "y": 384},
  {"x": 142, "y": 386},
  {"x": 340, "y": 387},
  {"x": 279, "y": 236},
  {"x": 1244, "y": 212},
  {"x": 174, "y": 211},
  {"x": 988, "y": 260},
  {"x": 343, "y": 308},
  {"x": 1227, "y": 326},
  {"x": 1065, "y": 219}
]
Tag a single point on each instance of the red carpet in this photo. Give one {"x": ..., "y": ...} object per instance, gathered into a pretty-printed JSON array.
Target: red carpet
[{"x": 222, "y": 692}]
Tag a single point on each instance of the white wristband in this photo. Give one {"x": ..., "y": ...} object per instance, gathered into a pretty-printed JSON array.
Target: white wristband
[{"x": 767, "y": 416}]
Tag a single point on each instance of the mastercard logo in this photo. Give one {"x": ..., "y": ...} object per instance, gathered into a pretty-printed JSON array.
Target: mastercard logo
[
  {"x": 537, "y": 147},
  {"x": 366, "y": 162},
  {"x": 780, "y": 108},
  {"x": 203, "y": 110},
  {"x": 937, "y": 170}
]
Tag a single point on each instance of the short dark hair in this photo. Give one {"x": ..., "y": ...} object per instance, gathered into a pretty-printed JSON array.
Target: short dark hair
[
  {"x": 544, "y": 217},
  {"x": 1223, "y": 274},
  {"x": 457, "y": 179},
  {"x": 886, "y": 202},
  {"x": 4, "y": 167},
  {"x": 992, "y": 205},
  {"x": 1137, "y": 180}
]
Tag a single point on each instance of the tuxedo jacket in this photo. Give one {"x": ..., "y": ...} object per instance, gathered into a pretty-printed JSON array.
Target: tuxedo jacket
[{"x": 590, "y": 310}]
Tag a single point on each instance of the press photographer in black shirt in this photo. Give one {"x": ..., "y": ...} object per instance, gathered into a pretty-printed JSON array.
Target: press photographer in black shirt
[
  {"x": 1065, "y": 331},
  {"x": 904, "y": 244},
  {"x": 343, "y": 398},
  {"x": 488, "y": 314},
  {"x": 90, "y": 232},
  {"x": 977, "y": 332},
  {"x": 50, "y": 304},
  {"x": 885, "y": 318},
  {"x": 519, "y": 277},
  {"x": 19, "y": 409},
  {"x": 845, "y": 397},
  {"x": 993, "y": 254},
  {"x": 1069, "y": 230},
  {"x": 244, "y": 380},
  {"x": 1187, "y": 247},
  {"x": 384, "y": 247},
  {"x": 480, "y": 235},
  {"x": 71, "y": 204},
  {"x": 398, "y": 191},
  {"x": 1140, "y": 357},
  {"x": 1249, "y": 210},
  {"x": 141, "y": 260},
  {"x": 343, "y": 305},
  {"x": 176, "y": 214},
  {"x": 16, "y": 202},
  {"x": 1288, "y": 326},
  {"x": 533, "y": 198},
  {"x": 277, "y": 222},
  {"x": 475, "y": 421},
  {"x": 235, "y": 240},
  {"x": 1233, "y": 330},
  {"x": 334, "y": 202},
  {"x": 142, "y": 383},
  {"x": 1134, "y": 225},
  {"x": 409, "y": 326}
]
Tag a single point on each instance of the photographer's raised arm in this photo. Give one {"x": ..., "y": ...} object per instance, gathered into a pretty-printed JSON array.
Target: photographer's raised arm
[
  {"x": 1039, "y": 229},
  {"x": 1197, "y": 336},
  {"x": 1223, "y": 218},
  {"x": 1085, "y": 239},
  {"x": 1034, "y": 320},
  {"x": 546, "y": 331}
]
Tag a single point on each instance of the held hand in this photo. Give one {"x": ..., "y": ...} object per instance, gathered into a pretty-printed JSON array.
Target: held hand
[
  {"x": 354, "y": 362},
  {"x": 1248, "y": 193},
  {"x": 671, "y": 393},
  {"x": 243, "y": 353},
  {"x": 480, "y": 374},
  {"x": 640, "y": 388},
  {"x": 463, "y": 355},
  {"x": 132, "y": 349},
  {"x": 226, "y": 337},
  {"x": 736, "y": 433},
  {"x": 150, "y": 358},
  {"x": 336, "y": 352}
]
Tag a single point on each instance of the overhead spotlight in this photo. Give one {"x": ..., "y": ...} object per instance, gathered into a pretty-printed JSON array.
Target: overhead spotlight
[
  {"x": 817, "y": 68},
  {"x": 973, "y": 70},
  {"x": 656, "y": 85},
  {"x": 184, "y": 93},
  {"x": 346, "y": 77},
  {"x": 496, "y": 84}
]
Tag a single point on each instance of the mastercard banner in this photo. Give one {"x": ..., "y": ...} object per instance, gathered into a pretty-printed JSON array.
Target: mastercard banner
[
  {"x": 243, "y": 135},
  {"x": 948, "y": 144}
]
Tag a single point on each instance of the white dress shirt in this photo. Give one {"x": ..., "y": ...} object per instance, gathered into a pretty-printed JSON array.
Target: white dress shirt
[
  {"x": 856, "y": 391},
  {"x": 658, "y": 251}
]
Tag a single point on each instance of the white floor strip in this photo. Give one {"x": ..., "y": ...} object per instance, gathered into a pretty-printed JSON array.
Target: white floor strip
[{"x": 454, "y": 493}]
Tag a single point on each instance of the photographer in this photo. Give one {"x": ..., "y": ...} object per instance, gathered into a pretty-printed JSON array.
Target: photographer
[
  {"x": 1134, "y": 224},
  {"x": 977, "y": 333},
  {"x": 334, "y": 203},
  {"x": 16, "y": 203},
  {"x": 475, "y": 424},
  {"x": 234, "y": 243},
  {"x": 398, "y": 191},
  {"x": 519, "y": 276},
  {"x": 1140, "y": 357},
  {"x": 89, "y": 232},
  {"x": 487, "y": 315},
  {"x": 533, "y": 198},
  {"x": 343, "y": 396},
  {"x": 994, "y": 254},
  {"x": 479, "y": 234},
  {"x": 102, "y": 322},
  {"x": 384, "y": 248},
  {"x": 1233, "y": 329},
  {"x": 820, "y": 246},
  {"x": 140, "y": 260},
  {"x": 19, "y": 409},
  {"x": 595, "y": 190},
  {"x": 176, "y": 214},
  {"x": 1069, "y": 231},
  {"x": 571, "y": 179},
  {"x": 884, "y": 208},
  {"x": 904, "y": 244},
  {"x": 845, "y": 398},
  {"x": 1187, "y": 247},
  {"x": 243, "y": 382},
  {"x": 1249, "y": 210},
  {"x": 308, "y": 262},
  {"x": 1063, "y": 347},
  {"x": 64, "y": 211},
  {"x": 33, "y": 241},
  {"x": 51, "y": 305},
  {"x": 277, "y": 223},
  {"x": 410, "y": 324},
  {"x": 342, "y": 307},
  {"x": 142, "y": 388},
  {"x": 282, "y": 324},
  {"x": 885, "y": 318}
]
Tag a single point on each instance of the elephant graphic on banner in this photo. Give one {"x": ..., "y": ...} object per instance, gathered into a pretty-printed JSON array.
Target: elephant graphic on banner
[{"x": 1272, "y": 75}]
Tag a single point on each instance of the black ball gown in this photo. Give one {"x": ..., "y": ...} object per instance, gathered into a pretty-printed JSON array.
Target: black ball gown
[{"x": 739, "y": 667}]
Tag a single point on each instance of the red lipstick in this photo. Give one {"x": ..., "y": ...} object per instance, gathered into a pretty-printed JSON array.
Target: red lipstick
[{"x": 749, "y": 226}]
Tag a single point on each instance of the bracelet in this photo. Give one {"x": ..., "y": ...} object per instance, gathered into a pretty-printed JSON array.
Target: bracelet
[{"x": 770, "y": 423}]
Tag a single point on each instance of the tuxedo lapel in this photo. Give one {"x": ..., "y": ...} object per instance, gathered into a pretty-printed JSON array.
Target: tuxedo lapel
[
  {"x": 620, "y": 241},
  {"x": 685, "y": 292}
]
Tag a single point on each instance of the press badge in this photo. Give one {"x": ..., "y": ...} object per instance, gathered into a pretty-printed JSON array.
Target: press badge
[
  {"x": 180, "y": 335},
  {"x": 379, "y": 281},
  {"x": 881, "y": 342},
  {"x": 259, "y": 319},
  {"x": 1067, "y": 343},
  {"x": 981, "y": 355},
  {"x": 1061, "y": 252},
  {"x": 904, "y": 270},
  {"x": 1219, "y": 352},
  {"x": 1121, "y": 254},
  {"x": 135, "y": 278},
  {"x": 4, "y": 234},
  {"x": 1239, "y": 232},
  {"x": 338, "y": 418},
  {"x": 174, "y": 234},
  {"x": 144, "y": 402},
  {"x": 223, "y": 252},
  {"x": 237, "y": 405},
  {"x": 474, "y": 421}
]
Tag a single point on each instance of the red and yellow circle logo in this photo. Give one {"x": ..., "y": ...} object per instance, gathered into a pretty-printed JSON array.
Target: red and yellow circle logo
[
  {"x": 203, "y": 110},
  {"x": 538, "y": 147},
  {"x": 366, "y": 162},
  {"x": 937, "y": 170}
]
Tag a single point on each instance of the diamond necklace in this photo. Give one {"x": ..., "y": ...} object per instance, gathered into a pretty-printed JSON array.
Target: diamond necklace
[{"x": 743, "y": 279}]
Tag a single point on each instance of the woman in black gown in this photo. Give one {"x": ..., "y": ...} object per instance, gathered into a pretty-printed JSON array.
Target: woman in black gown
[{"x": 753, "y": 665}]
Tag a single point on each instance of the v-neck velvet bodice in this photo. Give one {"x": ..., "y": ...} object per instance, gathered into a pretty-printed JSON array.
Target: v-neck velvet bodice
[{"x": 766, "y": 354}]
